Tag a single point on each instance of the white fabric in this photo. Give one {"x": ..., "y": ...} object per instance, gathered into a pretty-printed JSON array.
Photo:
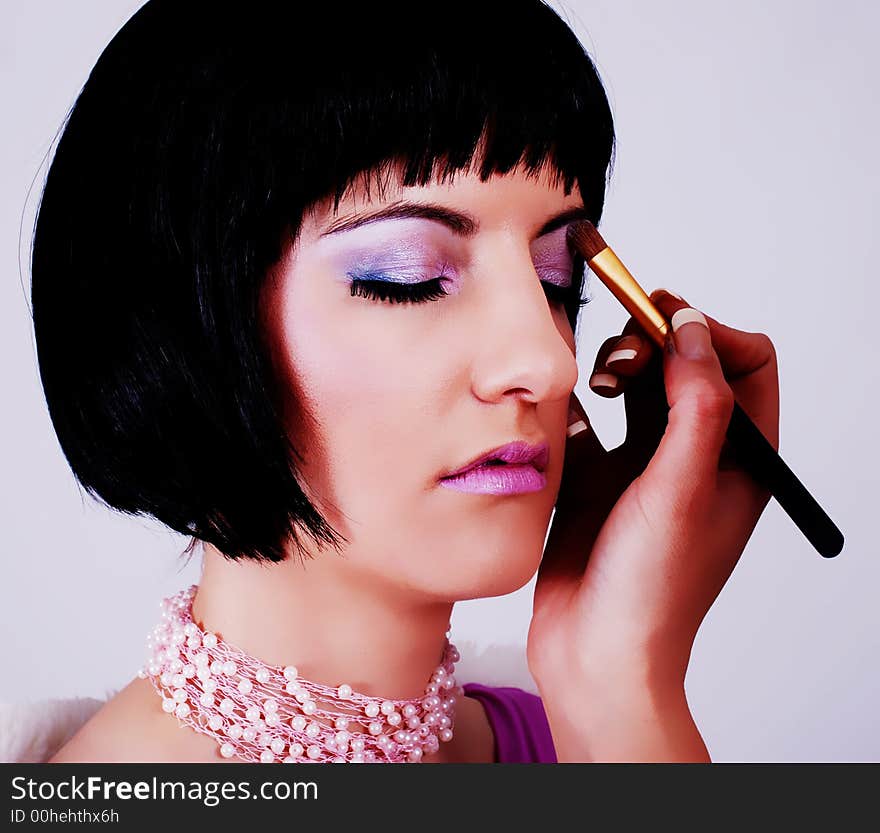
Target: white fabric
[{"x": 33, "y": 732}]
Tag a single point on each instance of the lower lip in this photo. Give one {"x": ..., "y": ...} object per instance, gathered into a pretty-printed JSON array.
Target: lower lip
[{"x": 497, "y": 480}]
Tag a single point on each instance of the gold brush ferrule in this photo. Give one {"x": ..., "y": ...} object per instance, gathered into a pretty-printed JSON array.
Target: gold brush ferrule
[{"x": 622, "y": 284}]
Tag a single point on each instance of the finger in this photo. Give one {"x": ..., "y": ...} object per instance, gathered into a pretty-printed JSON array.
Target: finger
[
  {"x": 619, "y": 358},
  {"x": 749, "y": 363},
  {"x": 700, "y": 402},
  {"x": 582, "y": 451}
]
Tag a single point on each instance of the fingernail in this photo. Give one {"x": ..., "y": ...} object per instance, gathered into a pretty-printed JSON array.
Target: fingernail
[
  {"x": 626, "y": 348},
  {"x": 603, "y": 380},
  {"x": 576, "y": 427},
  {"x": 691, "y": 342},
  {"x": 669, "y": 292},
  {"x": 621, "y": 355}
]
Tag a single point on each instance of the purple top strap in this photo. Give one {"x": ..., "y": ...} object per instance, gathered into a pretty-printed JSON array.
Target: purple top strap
[{"x": 519, "y": 723}]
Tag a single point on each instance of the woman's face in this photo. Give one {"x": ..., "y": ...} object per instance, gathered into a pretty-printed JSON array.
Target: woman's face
[{"x": 401, "y": 394}]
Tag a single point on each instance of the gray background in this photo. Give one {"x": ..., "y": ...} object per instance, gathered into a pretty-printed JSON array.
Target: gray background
[{"x": 746, "y": 181}]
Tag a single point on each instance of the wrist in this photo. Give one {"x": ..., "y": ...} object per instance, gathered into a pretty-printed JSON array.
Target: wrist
[{"x": 633, "y": 712}]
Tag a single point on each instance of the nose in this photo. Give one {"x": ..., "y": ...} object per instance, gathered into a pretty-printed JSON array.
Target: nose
[{"x": 525, "y": 346}]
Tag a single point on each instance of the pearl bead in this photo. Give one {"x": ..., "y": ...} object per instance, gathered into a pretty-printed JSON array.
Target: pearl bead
[
  {"x": 338, "y": 760},
  {"x": 342, "y": 737},
  {"x": 290, "y": 672},
  {"x": 217, "y": 667},
  {"x": 295, "y": 750},
  {"x": 262, "y": 675},
  {"x": 190, "y": 629},
  {"x": 201, "y": 658},
  {"x": 371, "y": 710},
  {"x": 357, "y": 745},
  {"x": 273, "y": 719},
  {"x": 270, "y": 705},
  {"x": 209, "y": 640},
  {"x": 394, "y": 719},
  {"x": 179, "y": 695},
  {"x": 178, "y": 680},
  {"x": 292, "y": 688},
  {"x": 215, "y": 722},
  {"x": 302, "y": 695},
  {"x": 207, "y": 699},
  {"x": 409, "y": 710},
  {"x": 265, "y": 739},
  {"x": 314, "y": 752},
  {"x": 249, "y": 734},
  {"x": 209, "y": 685},
  {"x": 245, "y": 686},
  {"x": 168, "y": 705},
  {"x": 357, "y": 758},
  {"x": 446, "y": 735},
  {"x": 193, "y": 641},
  {"x": 165, "y": 679},
  {"x": 230, "y": 668},
  {"x": 175, "y": 666},
  {"x": 445, "y": 722},
  {"x": 235, "y": 731},
  {"x": 414, "y": 722},
  {"x": 313, "y": 730},
  {"x": 277, "y": 746},
  {"x": 400, "y": 736},
  {"x": 253, "y": 713},
  {"x": 227, "y": 750},
  {"x": 432, "y": 688},
  {"x": 387, "y": 707},
  {"x": 289, "y": 760},
  {"x": 448, "y": 684},
  {"x": 267, "y": 756},
  {"x": 182, "y": 710},
  {"x": 341, "y": 723},
  {"x": 309, "y": 707},
  {"x": 298, "y": 723},
  {"x": 375, "y": 727},
  {"x": 227, "y": 706},
  {"x": 415, "y": 755},
  {"x": 203, "y": 673},
  {"x": 344, "y": 691}
]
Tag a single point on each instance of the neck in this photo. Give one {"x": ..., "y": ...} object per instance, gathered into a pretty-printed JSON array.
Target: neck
[{"x": 333, "y": 622}]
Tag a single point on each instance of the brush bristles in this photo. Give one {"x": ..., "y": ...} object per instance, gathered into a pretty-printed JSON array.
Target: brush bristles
[{"x": 584, "y": 236}]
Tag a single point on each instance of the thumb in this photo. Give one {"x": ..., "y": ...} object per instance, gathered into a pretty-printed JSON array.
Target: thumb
[{"x": 700, "y": 407}]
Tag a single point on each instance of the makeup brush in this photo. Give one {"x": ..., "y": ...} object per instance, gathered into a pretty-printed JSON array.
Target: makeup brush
[{"x": 753, "y": 452}]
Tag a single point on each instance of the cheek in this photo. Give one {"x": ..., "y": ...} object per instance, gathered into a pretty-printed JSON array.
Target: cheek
[{"x": 367, "y": 396}]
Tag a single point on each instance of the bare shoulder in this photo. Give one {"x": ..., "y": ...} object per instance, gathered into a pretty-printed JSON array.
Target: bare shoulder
[{"x": 132, "y": 728}]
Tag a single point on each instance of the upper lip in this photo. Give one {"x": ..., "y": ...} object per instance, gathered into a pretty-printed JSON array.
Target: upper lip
[{"x": 518, "y": 451}]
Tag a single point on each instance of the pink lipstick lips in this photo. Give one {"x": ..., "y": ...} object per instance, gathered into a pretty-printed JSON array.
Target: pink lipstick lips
[{"x": 512, "y": 469}]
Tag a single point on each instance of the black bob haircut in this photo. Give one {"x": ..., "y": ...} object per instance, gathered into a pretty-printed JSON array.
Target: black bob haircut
[{"x": 203, "y": 134}]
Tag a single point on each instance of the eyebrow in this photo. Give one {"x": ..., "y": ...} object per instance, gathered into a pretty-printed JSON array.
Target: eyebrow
[{"x": 464, "y": 225}]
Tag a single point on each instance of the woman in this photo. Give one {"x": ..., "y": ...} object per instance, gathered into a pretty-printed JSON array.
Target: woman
[{"x": 287, "y": 280}]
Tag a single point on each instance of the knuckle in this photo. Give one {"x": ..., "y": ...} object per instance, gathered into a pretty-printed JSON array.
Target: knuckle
[{"x": 711, "y": 401}]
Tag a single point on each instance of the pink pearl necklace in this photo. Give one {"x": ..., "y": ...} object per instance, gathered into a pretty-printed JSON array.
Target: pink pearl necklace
[{"x": 264, "y": 713}]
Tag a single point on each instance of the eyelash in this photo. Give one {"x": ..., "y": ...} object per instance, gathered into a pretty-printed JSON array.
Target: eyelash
[{"x": 432, "y": 290}]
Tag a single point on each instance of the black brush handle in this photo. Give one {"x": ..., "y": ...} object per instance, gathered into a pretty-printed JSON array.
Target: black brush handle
[{"x": 754, "y": 453}]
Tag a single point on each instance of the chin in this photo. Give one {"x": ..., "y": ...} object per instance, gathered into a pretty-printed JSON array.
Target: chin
[{"x": 499, "y": 567}]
